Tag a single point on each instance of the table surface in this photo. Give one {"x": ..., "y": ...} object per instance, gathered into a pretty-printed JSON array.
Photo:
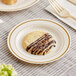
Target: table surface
[{"x": 25, "y": 69}]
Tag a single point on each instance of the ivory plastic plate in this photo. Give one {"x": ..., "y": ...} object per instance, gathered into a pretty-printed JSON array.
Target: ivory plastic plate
[
  {"x": 17, "y": 34},
  {"x": 21, "y": 4}
]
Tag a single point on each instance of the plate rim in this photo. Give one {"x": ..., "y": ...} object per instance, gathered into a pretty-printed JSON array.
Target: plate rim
[
  {"x": 18, "y": 9},
  {"x": 33, "y": 62}
]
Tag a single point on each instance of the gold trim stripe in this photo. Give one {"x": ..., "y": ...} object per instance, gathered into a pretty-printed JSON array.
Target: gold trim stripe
[{"x": 33, "y": 61}]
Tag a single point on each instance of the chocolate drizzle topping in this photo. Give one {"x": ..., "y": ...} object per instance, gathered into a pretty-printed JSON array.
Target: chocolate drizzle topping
[
  {"x": 38, "y": 40},
  {"x": 47, "y": 45},
  {"x": 41, "y": 45},
  {"x": 48, "y": 49}
]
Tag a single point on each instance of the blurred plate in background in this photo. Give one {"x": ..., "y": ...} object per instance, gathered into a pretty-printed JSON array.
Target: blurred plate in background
[{"x": 21, "y": 4}]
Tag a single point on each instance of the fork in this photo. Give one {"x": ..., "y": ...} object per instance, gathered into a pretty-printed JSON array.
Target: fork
[{"x": 62, "y": 12}]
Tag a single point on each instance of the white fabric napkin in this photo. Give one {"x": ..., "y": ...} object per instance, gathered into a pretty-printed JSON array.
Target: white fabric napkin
[{"x": 70, "y": 7}]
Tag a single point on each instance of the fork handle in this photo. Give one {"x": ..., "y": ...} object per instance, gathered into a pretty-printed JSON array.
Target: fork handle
[{"x": 72, "y": 17}]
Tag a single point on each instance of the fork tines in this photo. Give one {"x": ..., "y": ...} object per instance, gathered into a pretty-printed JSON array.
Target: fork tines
[{"x": 55, "y": 4}]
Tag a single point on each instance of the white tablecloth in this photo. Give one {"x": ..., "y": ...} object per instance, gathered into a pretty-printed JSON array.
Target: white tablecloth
[{"x": 26, "y": 69}]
